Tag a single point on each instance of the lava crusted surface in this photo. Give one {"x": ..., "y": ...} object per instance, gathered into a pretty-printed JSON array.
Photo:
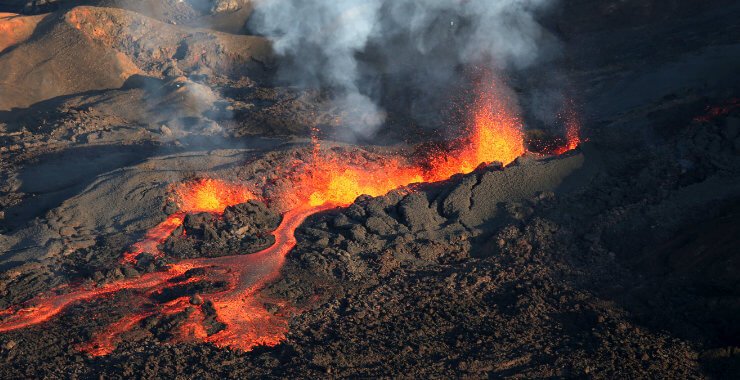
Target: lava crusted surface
[
  {"x": 615, "y": 260},
  {"x": 241, "y": 229}
]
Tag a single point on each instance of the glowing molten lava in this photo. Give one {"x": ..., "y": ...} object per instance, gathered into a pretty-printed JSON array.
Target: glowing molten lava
[
  {"x": 495, "y": 135},
  {"x": 572, "y": 138},
  {"x": 327, "y": 180},
  {"x": 721, "y": 109},
  {"x": 248, "y": 322},
  {"x": 333, "y": 179},
  {"x": 206, "y": 195},
  {"x": 154, "y": 237},
  {"x": 210, "y": 195}
]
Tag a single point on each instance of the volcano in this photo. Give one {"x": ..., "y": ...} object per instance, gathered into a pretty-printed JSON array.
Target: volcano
[{"x": 217, "y": 188}]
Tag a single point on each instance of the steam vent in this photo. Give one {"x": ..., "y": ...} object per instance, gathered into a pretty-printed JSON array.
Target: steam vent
[{"x": 218, "y": 189}]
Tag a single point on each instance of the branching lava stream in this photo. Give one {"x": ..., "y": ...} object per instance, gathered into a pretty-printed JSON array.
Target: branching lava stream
[{"x": 235, "y": 316}]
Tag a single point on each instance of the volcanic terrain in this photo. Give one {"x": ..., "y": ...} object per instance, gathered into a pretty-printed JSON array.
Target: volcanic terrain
[{"x": 171, "y": 206}]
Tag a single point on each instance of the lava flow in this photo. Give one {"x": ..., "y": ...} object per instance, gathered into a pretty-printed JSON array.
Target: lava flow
[
  {"x": 235, "y": 315},
  {"x": 206, "y": 195},
  {"x": 495, "y": 134}
]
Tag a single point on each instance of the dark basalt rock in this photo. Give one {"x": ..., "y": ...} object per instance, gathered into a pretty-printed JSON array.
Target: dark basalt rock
[{"x": 241, "y": 229}]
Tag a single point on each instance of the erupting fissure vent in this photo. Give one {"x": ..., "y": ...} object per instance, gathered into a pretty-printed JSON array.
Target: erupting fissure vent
[{"x": 233, "y": 315}]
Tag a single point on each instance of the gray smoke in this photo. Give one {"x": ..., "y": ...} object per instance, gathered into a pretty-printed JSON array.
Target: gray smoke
[{"x": 369, "y": 51}]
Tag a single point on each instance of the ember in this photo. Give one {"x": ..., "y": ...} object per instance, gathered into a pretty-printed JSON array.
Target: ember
[{"x": 721, "y": 109}]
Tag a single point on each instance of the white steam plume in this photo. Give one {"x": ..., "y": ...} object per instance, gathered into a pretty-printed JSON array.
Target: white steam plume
[{"x": 349, "y": 45}]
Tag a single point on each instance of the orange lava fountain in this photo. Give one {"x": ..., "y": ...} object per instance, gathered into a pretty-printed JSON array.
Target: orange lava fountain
[
  {"x": 572, "y": 138},
  {"x": 495, "y": 135},
  {"x": 572, "y": 130},
  {"x": 326, "y": 181},
  {"x": 331, "y": 179},
  {"x": 210, "y": 195}
]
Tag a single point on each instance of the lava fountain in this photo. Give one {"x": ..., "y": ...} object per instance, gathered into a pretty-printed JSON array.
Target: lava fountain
[
  {"x": 494, "y": 134},
  {"x": 235, "y": 315}
]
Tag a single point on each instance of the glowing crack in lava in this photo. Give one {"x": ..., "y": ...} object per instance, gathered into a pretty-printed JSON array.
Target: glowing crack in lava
[{"x": 236, "y": 316}]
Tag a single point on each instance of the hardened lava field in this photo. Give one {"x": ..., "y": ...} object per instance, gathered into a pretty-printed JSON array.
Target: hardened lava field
[{"x": 369, "y": 189}]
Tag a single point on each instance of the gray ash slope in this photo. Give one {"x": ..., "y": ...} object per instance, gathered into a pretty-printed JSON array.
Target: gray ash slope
[{"x": 626, "y": 269}]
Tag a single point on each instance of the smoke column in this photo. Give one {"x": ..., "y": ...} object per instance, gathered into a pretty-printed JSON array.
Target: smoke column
[{"x": 364, "y": 50}]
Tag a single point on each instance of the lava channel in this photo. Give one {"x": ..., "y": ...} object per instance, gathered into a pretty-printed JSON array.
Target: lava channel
[{"x": 248, "y": 322}]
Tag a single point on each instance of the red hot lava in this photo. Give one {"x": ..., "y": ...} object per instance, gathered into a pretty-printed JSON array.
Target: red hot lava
[
  {"x": 327, "y": 181},
  {"x": 721, "y": 109},
  {"x": 208, "y": 195},
  {"x": 572, "y": 129},
  {"x": 248, "y": 322}
]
